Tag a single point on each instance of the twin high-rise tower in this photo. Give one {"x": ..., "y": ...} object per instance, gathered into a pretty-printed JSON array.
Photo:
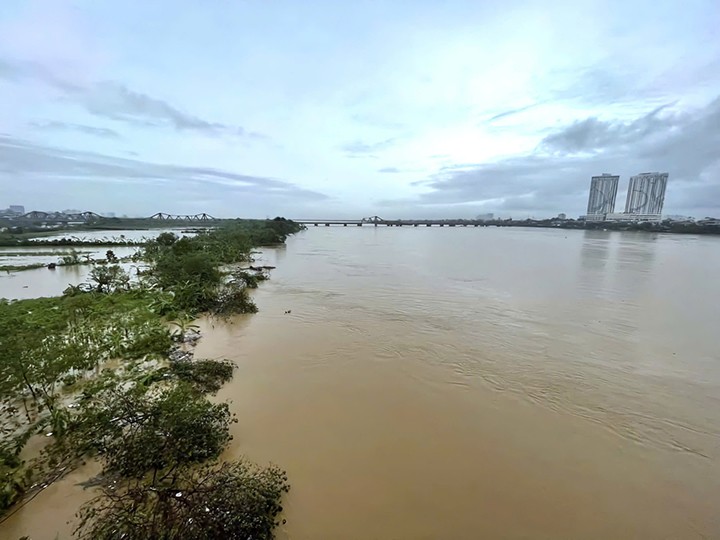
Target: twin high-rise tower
[
  {"x": 645, "y": 197},
  {"x": 603, "y": 191}
]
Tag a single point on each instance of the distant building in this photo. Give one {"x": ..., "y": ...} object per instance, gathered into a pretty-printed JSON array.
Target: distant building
[
  {"x": 486, "y": 217},
  {"x": 561, "y": 216},
  {"x": 646, "y": 196},
  {"x": 17, "y": 209},
  {"x": 603, "y": 191}
]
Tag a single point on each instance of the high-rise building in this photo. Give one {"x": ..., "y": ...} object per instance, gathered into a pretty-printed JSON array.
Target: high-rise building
[
  {"x": 17, "y": 209},
  {"x": 603, "y": 191},
  {"x": 646, "y": 195}
]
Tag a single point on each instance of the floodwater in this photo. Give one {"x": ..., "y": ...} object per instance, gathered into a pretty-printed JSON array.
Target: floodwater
[
  {"x": 477, "y": 383},
  {"x": 44, "y": 282}
]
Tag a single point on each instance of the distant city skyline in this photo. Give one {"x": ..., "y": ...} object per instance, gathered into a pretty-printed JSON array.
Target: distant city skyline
[{"x": 645, "y": 197}]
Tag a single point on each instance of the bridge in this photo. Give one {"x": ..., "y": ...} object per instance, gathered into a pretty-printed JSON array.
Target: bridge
[
  {"x": 92, "y": 217},
  {"x": 186, "y": 217},
  {"x": 378, "y": 221},
  {"x": 60, "y": 217}
]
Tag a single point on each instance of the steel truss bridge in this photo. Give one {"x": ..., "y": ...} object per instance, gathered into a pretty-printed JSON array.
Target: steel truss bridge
[
  {"x": 377, "y": 220},
  {"x": 90, "y": 217},
  {"x": 84, "y": 217},
  {"x": 179, "y": 217}
]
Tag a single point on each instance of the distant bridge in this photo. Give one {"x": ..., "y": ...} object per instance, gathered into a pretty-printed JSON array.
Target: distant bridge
[
  {"x": 84, "y": 217},
  {"x": 180, "y": 217},
  {"x": 377, "y": 220},
  {"x": 91, "y": 217}
]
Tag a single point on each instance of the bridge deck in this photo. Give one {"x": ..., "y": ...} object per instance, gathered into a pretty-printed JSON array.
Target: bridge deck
[{"x": 394, "y": 222}]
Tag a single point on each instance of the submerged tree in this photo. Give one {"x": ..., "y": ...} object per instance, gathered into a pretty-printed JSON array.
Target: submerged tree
[
  {"x": 136, "y": 434},
  {"x": 232, "y": 500}
]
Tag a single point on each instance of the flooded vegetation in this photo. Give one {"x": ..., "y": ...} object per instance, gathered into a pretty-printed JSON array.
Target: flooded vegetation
[{"x": 107, "y": 371}]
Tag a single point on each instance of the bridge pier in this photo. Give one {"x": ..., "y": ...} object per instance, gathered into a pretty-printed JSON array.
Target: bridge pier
[
  {"x": 359, "y": 224},
  {"x": 327, "y": 224},
  {"x": 344, "y": 224}
]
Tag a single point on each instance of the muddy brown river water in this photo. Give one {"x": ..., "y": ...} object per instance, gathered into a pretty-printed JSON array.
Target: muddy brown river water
[{"x": 475, "y": 383}]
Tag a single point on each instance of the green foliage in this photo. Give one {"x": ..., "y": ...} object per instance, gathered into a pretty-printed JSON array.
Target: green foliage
[
  {"x": 54, "y": 342},
  {"x": 109, "y": 278},
  {"x": 166, "y": 239},
  {"x": 233, "y": 300},
  {"x": 248, "y": 279},
  {"x": 136, "y": 433},
  {"x": 152, "y": 429},
  {"x": 12, "y": 483},
  {"x": 232, "y": 501},
  {"x": 190, "y": 267},
  {"x": 206, "y": 376},
  {"x": 73, "y": 257}
]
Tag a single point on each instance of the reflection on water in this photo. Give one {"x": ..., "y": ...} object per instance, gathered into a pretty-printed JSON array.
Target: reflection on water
[
  {"x": 470, "y": 383},
  {"x": 44, "y": 282}
]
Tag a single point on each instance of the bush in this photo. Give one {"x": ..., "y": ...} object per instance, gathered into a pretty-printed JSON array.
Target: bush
[
  {"x": 12, "y": 485},
  {"x": 205, "y": 376},
  {"x": 135, "y": 434},
  {"x": 229, "y": 501}
]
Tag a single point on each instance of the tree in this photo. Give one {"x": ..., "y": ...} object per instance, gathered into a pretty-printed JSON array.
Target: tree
[
  {"x": 235, "y": 500},
  {"x": 109, "y": 278},
  {"x": 136, "y": 434}
]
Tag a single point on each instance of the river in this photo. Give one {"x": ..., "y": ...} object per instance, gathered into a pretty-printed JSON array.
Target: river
[{"x": 437, "y": 383}]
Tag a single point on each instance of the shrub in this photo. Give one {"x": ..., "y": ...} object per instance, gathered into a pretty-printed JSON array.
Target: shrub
[{"x": 232, "y": 501}]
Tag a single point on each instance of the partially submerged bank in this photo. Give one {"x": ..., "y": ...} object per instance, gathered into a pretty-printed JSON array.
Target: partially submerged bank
[{"x": 107, "y": 370}]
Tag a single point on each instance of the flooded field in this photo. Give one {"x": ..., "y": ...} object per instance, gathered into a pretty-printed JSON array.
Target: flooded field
[{"x": 43, "y": 282}]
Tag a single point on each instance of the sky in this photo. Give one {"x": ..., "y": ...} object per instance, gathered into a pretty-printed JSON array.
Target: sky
[{"x": 327, "y": 109}]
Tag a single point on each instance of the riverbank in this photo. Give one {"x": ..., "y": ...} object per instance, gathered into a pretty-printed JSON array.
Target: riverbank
[{"x": 71, "y": 361}]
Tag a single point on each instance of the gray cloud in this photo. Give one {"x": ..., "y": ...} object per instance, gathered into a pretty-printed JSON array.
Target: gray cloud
[
  {"x": 389, "y": 170},
  {"x": 56, "y": 166},
  {"x": 81, "y": 128},
  {"x": 19, "y": 71},
  {"x": 512, "y": 112},
  {"x": 684, "y": 144},
  {"x": 592, "y": 134},
  {"x": 115, "y": 101}
]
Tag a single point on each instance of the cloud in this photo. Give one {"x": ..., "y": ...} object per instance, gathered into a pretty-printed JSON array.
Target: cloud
[
  {"x": 115, "y": 101},
  {"x": 511, "y": 112},
  {"x": 389, "y": 170},
  {"x": 556, "y": 177},
  {"x": 20, "y": 71},
  {"x": 81, "y": 128},
  {"x": 360, "y": 147},
  {"x": 39, "y": 163},
  {"x": 591, "y": 134}
]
